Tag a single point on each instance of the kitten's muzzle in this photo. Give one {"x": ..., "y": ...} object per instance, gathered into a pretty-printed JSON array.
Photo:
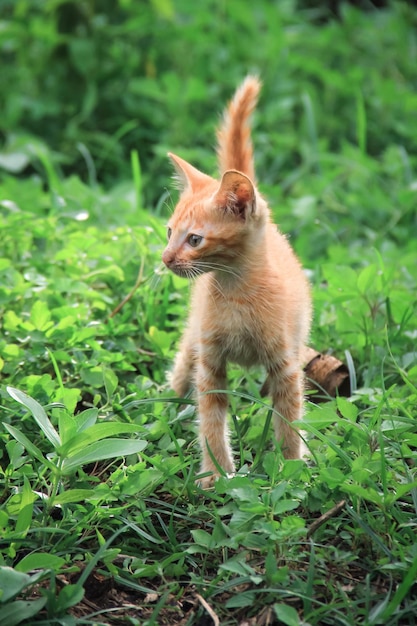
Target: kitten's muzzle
[
  {"x": 171, "y": 262},
  {"x": 176, "y": 266},
  {"x": 168, "y": 257}
]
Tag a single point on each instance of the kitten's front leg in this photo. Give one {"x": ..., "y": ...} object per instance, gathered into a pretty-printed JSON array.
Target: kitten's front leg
[
  {"x": 181, "y": 377},
  {"x": 212, "y": 409},
  {"x": 286, "y": 389}
]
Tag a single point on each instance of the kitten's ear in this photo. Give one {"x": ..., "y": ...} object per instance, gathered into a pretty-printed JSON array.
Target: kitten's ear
[
  {"x": 187, "y": 176},
  {"x": 236, "y": 194}
]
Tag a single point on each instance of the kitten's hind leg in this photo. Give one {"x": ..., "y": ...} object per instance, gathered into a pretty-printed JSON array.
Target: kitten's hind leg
[{"x": 286, "y": 390}]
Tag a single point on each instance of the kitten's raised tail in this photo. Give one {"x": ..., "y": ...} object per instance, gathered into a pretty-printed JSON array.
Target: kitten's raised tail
[{"x": 234, "y": 145}]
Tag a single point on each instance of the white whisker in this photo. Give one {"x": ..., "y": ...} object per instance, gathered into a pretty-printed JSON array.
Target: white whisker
[
  {"x": 216, "y": 267},
  {"x": 154, "y": 282}
]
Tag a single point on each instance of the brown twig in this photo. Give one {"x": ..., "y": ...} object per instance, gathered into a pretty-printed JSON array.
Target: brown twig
[
  {"x": 325, "y": 517},
  {"x": 137, "y": 284},
  {"x": 209, "y": 610}
]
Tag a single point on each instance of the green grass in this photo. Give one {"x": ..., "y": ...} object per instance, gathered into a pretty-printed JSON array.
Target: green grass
[{"x": 98, "y": 457}]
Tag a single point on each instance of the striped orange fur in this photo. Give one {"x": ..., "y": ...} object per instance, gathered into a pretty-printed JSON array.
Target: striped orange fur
[{"x": 250, "y": 302}]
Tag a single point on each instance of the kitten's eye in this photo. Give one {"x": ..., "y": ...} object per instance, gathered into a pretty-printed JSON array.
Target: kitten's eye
[
  {"x": 194, "y": 240},
  {"x": 169, "y": 233}
]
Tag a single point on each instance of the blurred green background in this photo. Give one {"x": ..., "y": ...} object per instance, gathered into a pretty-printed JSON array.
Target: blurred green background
[{"x": 83, "y": 84}]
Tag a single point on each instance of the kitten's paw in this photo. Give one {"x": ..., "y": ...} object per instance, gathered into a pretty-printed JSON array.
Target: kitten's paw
[{"x": 207, "y": 482}]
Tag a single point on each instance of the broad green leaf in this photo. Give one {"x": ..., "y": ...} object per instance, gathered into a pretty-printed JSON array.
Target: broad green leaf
[
  {"x": 11, "y": 321},
  {"x": 12, "y": 350},
  {"x": 237, "y": 567},
  {"x": 42, "y": 383},
  {"x": 12, "y": 583},
  {"x": 100, "y": 450},
  {"x": 332, "y": 476},
  {"x": 96, "y": 433},
  {"x": 144, "y": 481},
  {"x": 319, "y": 417},
  {"x": 279, "y": 491},
  {"x": 401, "y": 490},
  {"x": 16, "y": 612},
  {"x": 271, "y": 464},
  {"x": 202, "y": 538},
  {"x": 110, "y": 381},
  {"x": 15, "y": 451},
  {"x": 38, "y": 413},
  {"x": 24, "y": 518},
  {"x": 86, "y": 419},
  {"x": 28, "y": 445},
  {"x": 257, "y": 508},
  {"x": 69, "y": 398},
  {"x": 369, "y": 280},
  {"x": 270, "y": 562},
  {"x": 40, "y": 315},
  {"x": 246, "y": 494},
  {"x": 69, "y": 596},
  {"x": 283, "y": 506},
  {"x": 67, "y": 426},
  {"x": 369, "y": 494},
  {"x": 40, "y": 560},
  {"x": 93, "y": 376},
  {"x": 160, "y": 339},
  {"x": 242, "y": 599},
  {"x": 74, "y": 495},
  {"x": 287, "y": 614},
  {"x": 347, "y": 409}
]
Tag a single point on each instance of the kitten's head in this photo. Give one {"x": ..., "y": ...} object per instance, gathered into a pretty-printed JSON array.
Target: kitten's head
[{"x": 214, "y": 223}]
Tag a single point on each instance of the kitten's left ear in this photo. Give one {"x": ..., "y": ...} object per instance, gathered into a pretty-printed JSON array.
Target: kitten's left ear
[
  {"x": 188, "y": 176},
  {"x": 236, "y": 194}
]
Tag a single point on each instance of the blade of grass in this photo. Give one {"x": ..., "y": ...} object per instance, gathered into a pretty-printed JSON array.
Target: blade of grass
[
  {"x": 361, "y": 121},
  {"x": 352, "y": 372},
  {"x": 369, "y": 532},
  {"x": 137, "y": 178},
  {"x": 56, "y": 370},
  {"x": 402, "y": 590},
  {"x": 96, "y": 558}
]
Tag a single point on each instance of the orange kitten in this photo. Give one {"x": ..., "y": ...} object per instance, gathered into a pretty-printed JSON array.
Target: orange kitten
[{"x": 251, "y": 301}]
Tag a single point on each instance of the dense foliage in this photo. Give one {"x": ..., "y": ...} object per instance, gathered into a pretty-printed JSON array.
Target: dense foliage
[{"x": 98, "y": 458}]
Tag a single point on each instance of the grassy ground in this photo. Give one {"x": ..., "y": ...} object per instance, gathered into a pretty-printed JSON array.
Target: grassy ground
[{"x": 101, "y": 521}]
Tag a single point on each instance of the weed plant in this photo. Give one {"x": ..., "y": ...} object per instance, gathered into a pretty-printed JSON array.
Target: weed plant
[{"x": 101, "y": 519}]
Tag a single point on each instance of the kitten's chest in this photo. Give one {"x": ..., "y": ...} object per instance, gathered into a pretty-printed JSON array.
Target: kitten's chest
[{"x": 235, "y": 328}]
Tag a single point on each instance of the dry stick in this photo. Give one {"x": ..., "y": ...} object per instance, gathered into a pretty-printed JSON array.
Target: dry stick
[
  {"x": 137, "y": 284},
  {"x": 326, "y": 516},
  {"x": 208, "y": 609}
]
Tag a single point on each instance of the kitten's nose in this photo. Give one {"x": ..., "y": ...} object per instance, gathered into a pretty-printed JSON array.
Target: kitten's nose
[{"x": 167, "y": 257}]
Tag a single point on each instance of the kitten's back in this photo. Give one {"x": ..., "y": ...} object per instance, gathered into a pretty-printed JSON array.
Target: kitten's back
[{"x": 234, "y": 145}]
